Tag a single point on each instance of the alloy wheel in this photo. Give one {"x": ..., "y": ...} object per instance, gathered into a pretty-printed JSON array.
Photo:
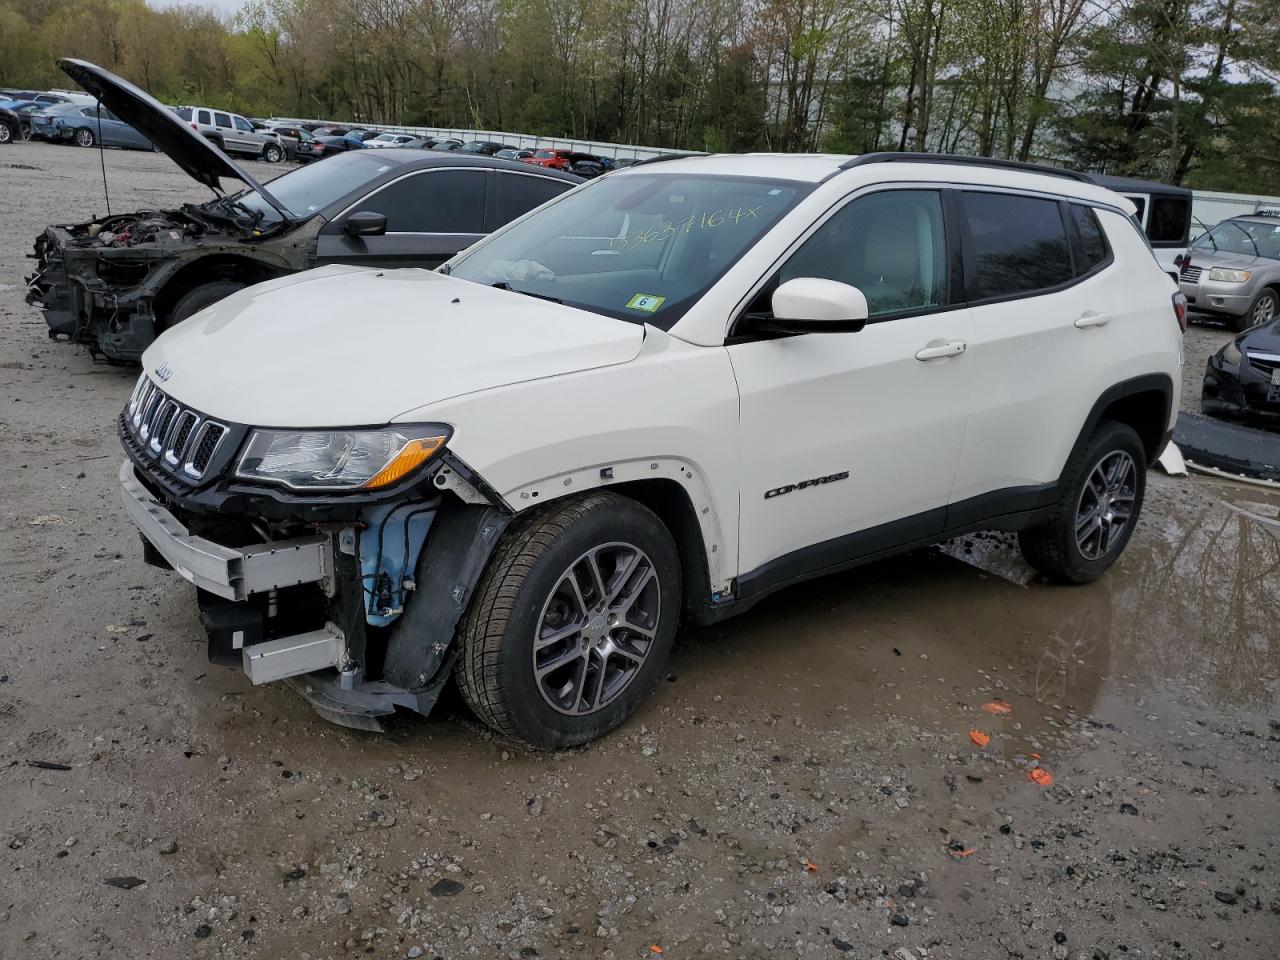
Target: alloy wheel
[
  {"x": 596, "y": 628},
  {"x": 1105, "y": 506},
  {"x": 84, "y": 138},
  {"x": 1264, "y": 310},
  {"x": 5, "y": 133}
]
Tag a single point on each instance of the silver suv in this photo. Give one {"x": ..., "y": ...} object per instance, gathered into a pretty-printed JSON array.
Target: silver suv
[
  {"x": 232, "y": 133},
  {"x": 1233, "y": 270}
]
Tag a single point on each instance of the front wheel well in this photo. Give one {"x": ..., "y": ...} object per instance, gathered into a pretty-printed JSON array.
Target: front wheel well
[
  {"x": 207, "y": 270},
  {"x": 672, "y": 504}
]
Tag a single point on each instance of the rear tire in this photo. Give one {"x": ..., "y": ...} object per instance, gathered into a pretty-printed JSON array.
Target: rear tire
[
  {"x": 1264, "y": 309},
  {"x": 1099, "y": 500},
  {"x": 84, "y": 137},
  {"x": 571, "y": 622},
  {"x": 6, "y": 133},
  {"x": 197, "y": 298}
]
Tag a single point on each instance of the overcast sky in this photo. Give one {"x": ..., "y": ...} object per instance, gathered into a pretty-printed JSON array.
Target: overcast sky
[{"x": 223, "y": 7}]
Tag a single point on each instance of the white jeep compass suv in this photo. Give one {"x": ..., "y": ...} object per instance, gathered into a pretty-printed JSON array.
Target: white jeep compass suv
[{"x": 660, "y": 397}]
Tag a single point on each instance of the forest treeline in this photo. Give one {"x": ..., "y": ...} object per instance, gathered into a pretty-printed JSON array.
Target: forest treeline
[{"x": 1184, "y": 91}]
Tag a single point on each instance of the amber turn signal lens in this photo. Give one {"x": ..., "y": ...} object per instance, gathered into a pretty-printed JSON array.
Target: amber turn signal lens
[{"x": 411, "y": 456}]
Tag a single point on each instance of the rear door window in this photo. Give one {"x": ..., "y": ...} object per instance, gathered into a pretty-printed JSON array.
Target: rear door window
[
  {"x": 1019, "y": 244},
  {"x": 515, "y": 194},
  {"x": 439, "y": 201}
]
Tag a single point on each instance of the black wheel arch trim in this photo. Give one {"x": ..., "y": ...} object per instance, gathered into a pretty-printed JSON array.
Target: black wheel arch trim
[
  {"x": 1160, "y": 383},
  {"x": 456, "y": 553}
]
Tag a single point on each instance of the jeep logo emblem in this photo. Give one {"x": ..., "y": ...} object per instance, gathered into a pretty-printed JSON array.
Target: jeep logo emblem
[{"x": 164, "y": 372}]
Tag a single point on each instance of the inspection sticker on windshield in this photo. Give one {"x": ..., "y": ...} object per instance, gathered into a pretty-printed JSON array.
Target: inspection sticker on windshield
[{"x": 646, "y": 302}]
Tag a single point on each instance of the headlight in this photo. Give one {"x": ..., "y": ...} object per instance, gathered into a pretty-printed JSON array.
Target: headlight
[
  {"x": 1231, "y": 354},
  {"x": 339, "y": 459},
  {"x": 1223, "y": 275}
]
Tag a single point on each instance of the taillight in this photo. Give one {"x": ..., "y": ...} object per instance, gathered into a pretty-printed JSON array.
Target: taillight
[
  {"x": 195, "y": 127},
  {"x": 1180, "y": 310}
]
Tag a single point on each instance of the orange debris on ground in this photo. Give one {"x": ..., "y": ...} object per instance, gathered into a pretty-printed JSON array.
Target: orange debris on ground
[
  {"x": 1040, "y": 776},
  {"x": 963, "y": 853},
  {"x": 997, "y": 706},
  {"x": 810, "y": 866},
  {"x": 980, "y": 738},
  {"x": 654, "y": 948}
]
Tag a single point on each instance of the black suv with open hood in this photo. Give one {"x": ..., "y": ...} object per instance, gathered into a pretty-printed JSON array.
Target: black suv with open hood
[{"x": 115, "y": 282}]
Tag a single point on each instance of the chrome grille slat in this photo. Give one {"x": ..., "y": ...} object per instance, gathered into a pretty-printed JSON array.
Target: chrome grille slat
[
  {"x": 1263, "y": 362},
  {"x": 166, "y": 430},
  {"x": 1192, "y": 274}
]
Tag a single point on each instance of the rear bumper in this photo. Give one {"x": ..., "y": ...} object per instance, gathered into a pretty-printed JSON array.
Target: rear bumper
[{"x": 234, "y": 573}]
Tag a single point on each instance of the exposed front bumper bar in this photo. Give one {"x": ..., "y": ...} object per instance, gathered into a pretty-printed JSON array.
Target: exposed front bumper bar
[
  {"x": 231, "y": 572},
  {"x": 296, "y": 655}
]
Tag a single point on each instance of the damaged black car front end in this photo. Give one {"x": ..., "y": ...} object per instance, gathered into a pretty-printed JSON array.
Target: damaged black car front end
[
  {"x": 352, "y": 597},
  {"x": 112, "y": 283}
]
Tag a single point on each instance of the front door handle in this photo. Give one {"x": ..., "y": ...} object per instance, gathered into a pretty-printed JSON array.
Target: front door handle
[
  {"x": 1092, "y": 319},
  {"x": 942, "y": 348}
]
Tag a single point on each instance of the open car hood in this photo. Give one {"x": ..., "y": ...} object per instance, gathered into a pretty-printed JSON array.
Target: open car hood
[{"x": 188, "y": 149}]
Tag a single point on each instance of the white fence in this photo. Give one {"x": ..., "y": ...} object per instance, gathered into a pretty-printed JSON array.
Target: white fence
[
  {"x": 523, "y": 141},
  {"x": 1209, "y": 207}
]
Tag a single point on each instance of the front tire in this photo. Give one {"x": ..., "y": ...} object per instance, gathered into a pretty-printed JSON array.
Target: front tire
[
  {"x": 571, "y": 622},
  {"x": 197, "y": 298},
  {"x": 84, "y": 137},
  {"x": 1100, "y": 497},
  {"x": 1264, "y": 309},
  {"x": 272, "y": 154}
]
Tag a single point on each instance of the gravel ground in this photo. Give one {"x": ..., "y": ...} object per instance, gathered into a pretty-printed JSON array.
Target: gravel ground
[{"x": 804, "y": 782}]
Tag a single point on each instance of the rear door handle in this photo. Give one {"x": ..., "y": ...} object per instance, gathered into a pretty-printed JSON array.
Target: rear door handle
[
  {"x": 942, "y": 348},
  {"x": 1091, "y": 319}
]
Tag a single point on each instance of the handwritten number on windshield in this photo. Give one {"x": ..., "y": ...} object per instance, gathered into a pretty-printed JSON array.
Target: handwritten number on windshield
[{"x": 705, "y": 220}]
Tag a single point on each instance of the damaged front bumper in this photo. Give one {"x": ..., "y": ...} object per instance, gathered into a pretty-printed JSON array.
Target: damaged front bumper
[
  {"x": 359, "y": 617},
  {"x": 236, "y": 574}
]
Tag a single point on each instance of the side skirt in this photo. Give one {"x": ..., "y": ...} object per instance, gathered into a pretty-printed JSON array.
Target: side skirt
[{"x": 1012, "y": 509}]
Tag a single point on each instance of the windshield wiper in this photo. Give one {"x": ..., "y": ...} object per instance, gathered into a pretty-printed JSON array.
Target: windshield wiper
[
  {"x": 503, "y": 285},
  {"x": 1249, "y": 237}
]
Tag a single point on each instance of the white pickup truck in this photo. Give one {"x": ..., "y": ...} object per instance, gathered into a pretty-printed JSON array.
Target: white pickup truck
[{"x": 659, "y": 397}]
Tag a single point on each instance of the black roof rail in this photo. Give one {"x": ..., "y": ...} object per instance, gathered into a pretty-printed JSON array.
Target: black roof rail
[
  {"x": 889, "y": 157},
  {"x": 668, "y": 156}
]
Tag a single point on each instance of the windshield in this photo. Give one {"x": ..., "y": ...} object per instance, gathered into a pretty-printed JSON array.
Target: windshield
[
  {"x": 1245, "y": 237},
  {"x": 308, "y": 190},
  {"x": 642, "y": 247}
]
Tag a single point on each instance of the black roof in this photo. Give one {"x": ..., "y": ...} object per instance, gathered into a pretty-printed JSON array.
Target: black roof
[
  {"x": 1130, "y": 185},
  {"x": 413, "y": 157}
]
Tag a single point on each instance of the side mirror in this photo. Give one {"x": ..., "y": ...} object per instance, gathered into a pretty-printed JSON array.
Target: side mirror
[
  {"x": 363, "y": 223},
  {"x": 815, "y": 305}
]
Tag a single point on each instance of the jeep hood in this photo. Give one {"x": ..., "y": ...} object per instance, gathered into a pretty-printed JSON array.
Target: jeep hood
[
  {"x": 188, "y": 149},
  {"x": 351, "y": 346}
]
